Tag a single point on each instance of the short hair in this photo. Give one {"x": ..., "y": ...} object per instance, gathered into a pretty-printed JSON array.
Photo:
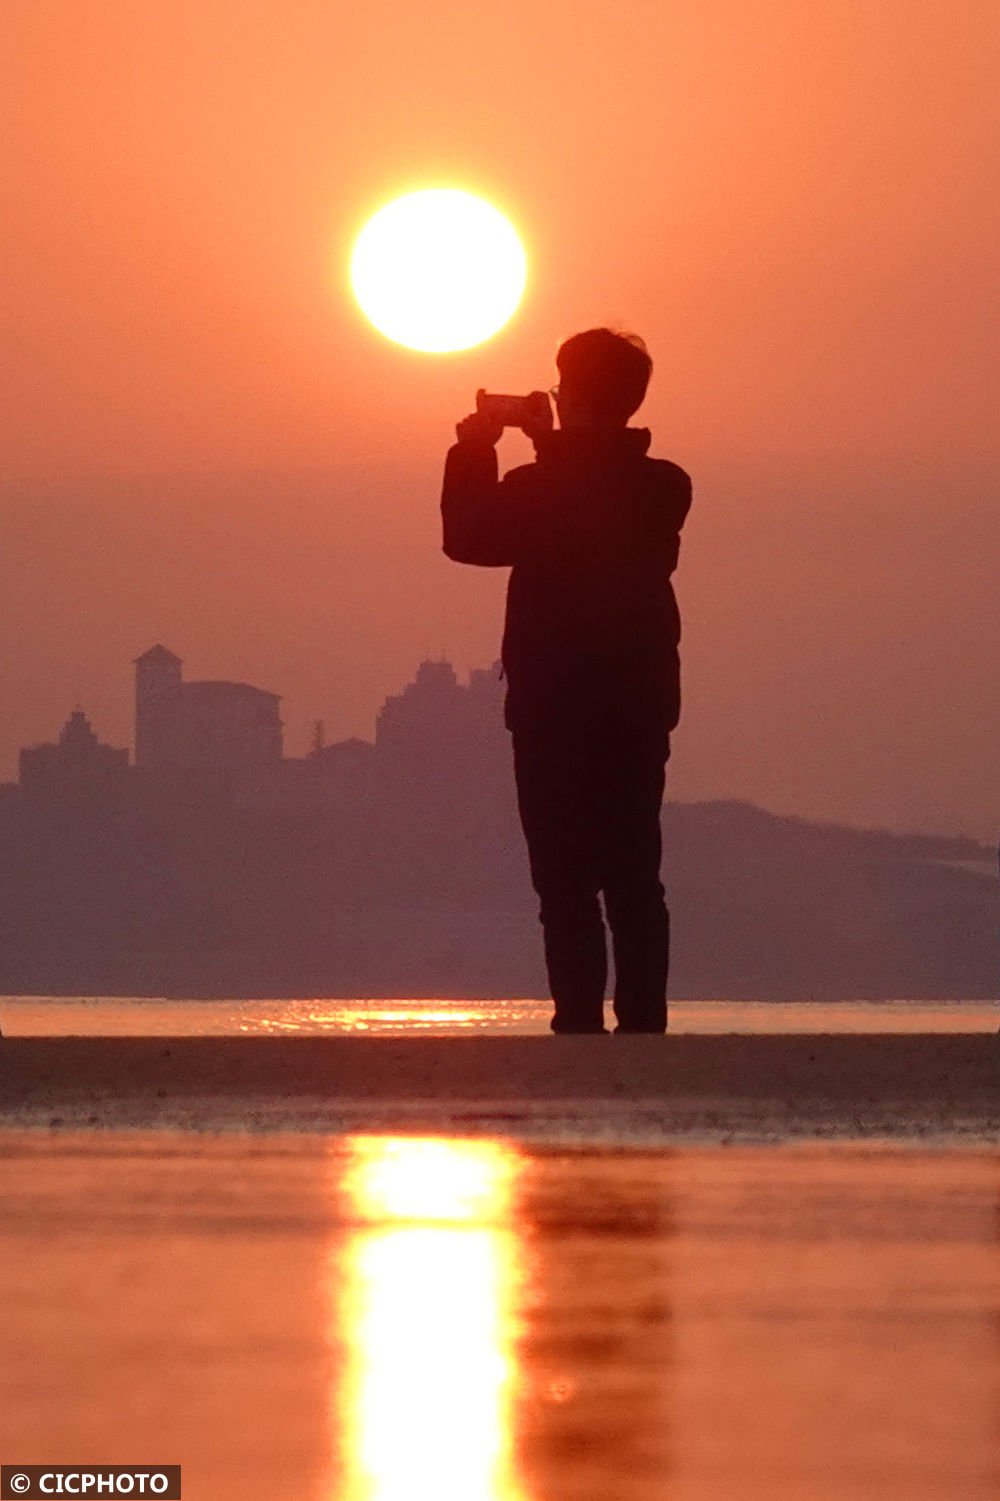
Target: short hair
[{"x": 608, "y": 371}]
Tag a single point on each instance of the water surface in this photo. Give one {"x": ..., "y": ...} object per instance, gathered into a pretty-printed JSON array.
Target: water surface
[
  {"x": 114, "y": 1017},
  {"x": 385, "y": 1318}
]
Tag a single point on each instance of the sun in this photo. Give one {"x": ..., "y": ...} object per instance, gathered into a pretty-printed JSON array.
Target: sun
[{"x": 438, "y": 270}]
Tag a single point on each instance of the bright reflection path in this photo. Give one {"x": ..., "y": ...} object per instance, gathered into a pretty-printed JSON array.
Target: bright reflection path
[
  {"x": 79, "y": 1016},
  {"x": 427, "y": 1289}
]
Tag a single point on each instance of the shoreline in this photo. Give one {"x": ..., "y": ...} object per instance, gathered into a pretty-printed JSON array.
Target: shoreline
[{"x": 631, "y": 1091}]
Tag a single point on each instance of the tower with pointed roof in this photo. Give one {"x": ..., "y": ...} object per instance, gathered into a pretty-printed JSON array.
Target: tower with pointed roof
[
  {"x": 224, "y": 729},
  {"x": 157, "y": 675}
]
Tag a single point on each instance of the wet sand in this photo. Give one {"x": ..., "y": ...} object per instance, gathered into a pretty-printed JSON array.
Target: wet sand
[
  {"x": 506, "y": 1268},
  {"x": 652, "y": 1089},
  {"x": 317, "y": 1318}
]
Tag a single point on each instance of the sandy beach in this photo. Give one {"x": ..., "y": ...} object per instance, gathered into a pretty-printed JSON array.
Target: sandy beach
[{"x": 642, "y": 1089}]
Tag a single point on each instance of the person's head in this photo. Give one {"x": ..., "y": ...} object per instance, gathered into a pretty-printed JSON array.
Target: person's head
[{"x": 602, "y": 378}]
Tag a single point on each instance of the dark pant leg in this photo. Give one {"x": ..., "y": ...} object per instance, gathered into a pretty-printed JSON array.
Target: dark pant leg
[
  {"x": 558, "y": 798},
  {"x": 633, "y": 892}
]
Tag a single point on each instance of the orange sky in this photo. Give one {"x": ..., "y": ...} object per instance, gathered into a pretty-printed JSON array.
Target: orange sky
[{"x": 797, "y": 206}]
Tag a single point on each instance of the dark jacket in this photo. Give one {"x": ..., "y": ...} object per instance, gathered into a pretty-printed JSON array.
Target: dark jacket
[{"x": 591, "y": 531}]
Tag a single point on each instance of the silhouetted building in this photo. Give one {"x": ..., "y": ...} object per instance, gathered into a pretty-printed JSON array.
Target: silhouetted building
[
  {"x": 437, "y": 730},
  {"x": 76, "y": 769},
  {"x": 420, "y": 718},
  {"x": 201, "y": 726},
  {"x": 345, "y": 767}
]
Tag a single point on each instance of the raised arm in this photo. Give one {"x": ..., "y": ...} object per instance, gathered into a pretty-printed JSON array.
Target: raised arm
[
  {"x": 474, "y": 509},
  {"x": 484, "y": 517}
]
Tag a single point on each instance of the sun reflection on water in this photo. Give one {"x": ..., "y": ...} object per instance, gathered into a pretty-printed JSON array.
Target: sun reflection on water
[
  {"x": 428, "y": 1285},
  {"x": 416, "y": 1018}
]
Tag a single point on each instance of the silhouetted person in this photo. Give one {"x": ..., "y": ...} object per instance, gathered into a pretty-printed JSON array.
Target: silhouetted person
[{"x": 591, "y": 531}]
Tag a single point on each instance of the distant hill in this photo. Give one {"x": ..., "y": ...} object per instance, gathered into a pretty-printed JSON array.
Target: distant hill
[
  {"x": 423, "y": 890},
  {"x": 779, "y": 908}
]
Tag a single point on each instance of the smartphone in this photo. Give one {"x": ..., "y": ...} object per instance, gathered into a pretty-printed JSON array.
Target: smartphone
[{"x": 508, "y": 410}]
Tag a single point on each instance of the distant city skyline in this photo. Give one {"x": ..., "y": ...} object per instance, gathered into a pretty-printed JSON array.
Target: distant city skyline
[
  {"x": 897, "y": 729},
  {"x": 198, "y": 741},
  {"x": 173, "y": 717}
]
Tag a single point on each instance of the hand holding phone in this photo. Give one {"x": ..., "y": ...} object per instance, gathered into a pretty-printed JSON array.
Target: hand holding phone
[
  {"x": 531, "y": 413},
  {"x": 507, "y": 411}
]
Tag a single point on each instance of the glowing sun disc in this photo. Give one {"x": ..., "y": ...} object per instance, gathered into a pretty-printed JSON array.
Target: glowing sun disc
[{"x": 438, "y": 270}]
